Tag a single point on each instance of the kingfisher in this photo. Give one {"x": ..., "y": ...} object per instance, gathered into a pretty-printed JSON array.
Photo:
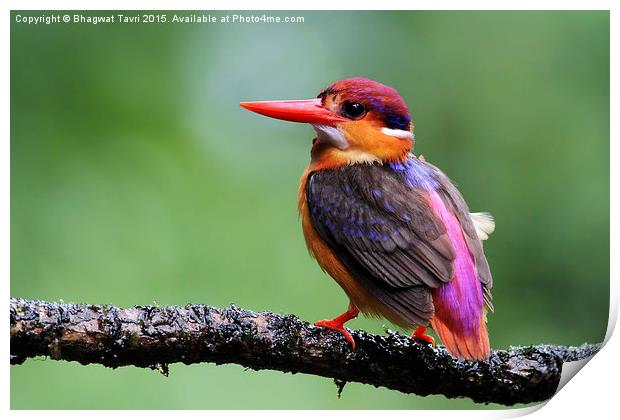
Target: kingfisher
[{"x": 390, "y": 228}]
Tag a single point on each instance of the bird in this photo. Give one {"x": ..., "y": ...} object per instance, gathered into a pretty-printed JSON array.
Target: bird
[{"x": 389, "y": 227}]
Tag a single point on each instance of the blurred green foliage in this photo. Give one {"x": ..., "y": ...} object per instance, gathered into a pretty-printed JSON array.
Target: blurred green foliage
[{"x": 136, "y": 178}]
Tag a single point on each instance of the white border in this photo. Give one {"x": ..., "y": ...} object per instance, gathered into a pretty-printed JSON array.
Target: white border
[
  {"x": 312, "y": 5},
  {"x": 591, "y": 393}
]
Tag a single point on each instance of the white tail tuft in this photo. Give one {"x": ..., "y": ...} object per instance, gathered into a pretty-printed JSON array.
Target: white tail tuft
[{"x": 484, "y": 224}]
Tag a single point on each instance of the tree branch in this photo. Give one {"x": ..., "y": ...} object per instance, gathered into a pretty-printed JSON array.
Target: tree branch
[{"x": 156, "y": 336}]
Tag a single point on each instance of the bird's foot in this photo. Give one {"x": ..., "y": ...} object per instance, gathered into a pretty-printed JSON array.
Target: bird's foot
[
  {"x": 337, "y": 324},
  {"x": 334, "y": 326},
  {"x": 420, "y": 334}
]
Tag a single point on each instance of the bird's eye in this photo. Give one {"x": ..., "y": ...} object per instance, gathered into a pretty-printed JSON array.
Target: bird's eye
[{"x": 353, "y": 110}]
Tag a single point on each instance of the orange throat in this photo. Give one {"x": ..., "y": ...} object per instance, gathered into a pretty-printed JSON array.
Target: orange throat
[{"x": 359, "y": 142}]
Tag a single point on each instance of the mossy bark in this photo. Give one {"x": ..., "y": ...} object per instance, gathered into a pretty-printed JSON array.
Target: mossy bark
[{"x": 154, "y": 337}]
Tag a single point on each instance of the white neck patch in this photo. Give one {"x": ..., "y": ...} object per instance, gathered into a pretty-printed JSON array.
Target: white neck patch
[
  {"x": 401, "y": 134},
  {"x": 331, "y": 135}
]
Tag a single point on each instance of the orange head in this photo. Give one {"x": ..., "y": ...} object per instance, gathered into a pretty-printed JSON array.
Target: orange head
[{"x": 357, "y": 120}]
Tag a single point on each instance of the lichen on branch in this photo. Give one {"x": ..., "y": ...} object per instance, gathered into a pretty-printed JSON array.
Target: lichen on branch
[{"x": 154, "y": 337}]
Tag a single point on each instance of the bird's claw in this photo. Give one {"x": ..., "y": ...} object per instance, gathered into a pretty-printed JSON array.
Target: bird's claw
[
  {"x": 335, "y": 326},
  {"x": 420, "y": 334}
]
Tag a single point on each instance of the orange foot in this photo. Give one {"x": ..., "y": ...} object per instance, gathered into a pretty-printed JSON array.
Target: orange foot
[
  {"x": 337, "y": 324},
  {"x": 420, "y": 334}
]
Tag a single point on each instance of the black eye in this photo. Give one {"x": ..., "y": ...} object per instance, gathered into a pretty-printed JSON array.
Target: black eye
[{"x": 353, "y": 110}]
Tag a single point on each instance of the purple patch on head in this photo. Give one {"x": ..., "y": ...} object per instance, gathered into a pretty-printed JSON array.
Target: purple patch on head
[{"x": 462, "y": 297}]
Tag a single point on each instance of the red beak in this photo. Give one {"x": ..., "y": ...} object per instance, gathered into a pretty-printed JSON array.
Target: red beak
[{"x": 309, "y": 111}]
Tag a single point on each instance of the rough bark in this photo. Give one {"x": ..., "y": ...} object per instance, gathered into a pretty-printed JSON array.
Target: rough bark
[{"x": 154, "y": 337}]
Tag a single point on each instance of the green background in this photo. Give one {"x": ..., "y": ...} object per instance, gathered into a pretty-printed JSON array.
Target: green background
[{"x": 137, "y": 178}]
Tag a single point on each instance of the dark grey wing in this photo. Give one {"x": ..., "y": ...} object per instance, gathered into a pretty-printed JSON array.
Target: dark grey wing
[{"x": 385, "y": 233}]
